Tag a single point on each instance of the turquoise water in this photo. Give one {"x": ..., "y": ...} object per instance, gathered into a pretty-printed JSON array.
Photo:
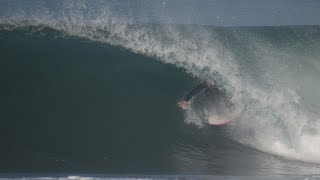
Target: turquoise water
[
  {"x": 71, "y": 105},
  {"x": 95, "y": 94}
]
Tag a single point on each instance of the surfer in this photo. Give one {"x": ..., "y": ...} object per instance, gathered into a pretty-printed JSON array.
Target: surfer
[
  {"x": 215, "y": 106},
  {"x": 184, "y": 103}
]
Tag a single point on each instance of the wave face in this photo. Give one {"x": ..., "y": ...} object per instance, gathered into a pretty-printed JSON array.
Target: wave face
[{"x": 271, "y": 74}]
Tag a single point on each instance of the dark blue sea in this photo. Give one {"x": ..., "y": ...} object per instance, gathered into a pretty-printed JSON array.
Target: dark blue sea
[{"x": 87, "y": 95}]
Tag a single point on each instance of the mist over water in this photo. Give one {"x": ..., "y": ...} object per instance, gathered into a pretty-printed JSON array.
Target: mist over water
[{"x": 271, "y": 74}]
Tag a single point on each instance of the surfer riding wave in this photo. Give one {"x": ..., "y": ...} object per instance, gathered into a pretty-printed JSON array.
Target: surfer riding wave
[
  {"x": 215, "y": 106},
  {"x": 207, "y": 85}
]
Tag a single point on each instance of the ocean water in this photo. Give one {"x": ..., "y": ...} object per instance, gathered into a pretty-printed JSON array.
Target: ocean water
[{"x": 87, "y": 93}]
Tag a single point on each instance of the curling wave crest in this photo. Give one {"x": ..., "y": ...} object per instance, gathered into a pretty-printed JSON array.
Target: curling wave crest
[{"x": 273, "y": 71}]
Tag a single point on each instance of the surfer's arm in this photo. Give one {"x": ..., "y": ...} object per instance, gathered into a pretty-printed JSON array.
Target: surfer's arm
[
  {"x": 194, "y": 91},
  {"x": 184, "y": 102}
]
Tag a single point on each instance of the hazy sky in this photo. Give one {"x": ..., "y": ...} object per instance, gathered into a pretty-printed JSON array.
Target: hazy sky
[
  {"x": 234, "y": 12},
  {"x": 214, "y": 12}
]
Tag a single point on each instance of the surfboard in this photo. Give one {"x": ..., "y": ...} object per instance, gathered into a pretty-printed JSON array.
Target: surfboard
[
  {"x": 216, "y": 120},
  {"x": 223, "y": 118}
]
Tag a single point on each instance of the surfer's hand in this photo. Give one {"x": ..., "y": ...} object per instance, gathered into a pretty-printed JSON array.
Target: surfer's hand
[{"x": 183, "y": 104}]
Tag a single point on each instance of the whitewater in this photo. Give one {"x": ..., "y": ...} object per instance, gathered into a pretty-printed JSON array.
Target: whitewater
[{"x": 272, "y": 71}]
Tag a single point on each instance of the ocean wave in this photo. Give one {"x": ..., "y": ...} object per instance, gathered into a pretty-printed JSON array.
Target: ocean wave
[{"x": 273, "y": 71}]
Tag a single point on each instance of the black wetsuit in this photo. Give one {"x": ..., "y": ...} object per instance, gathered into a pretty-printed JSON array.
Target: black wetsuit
[
  {"x": 195, "y": 91},
  {"x": 215, "y": 99}
]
